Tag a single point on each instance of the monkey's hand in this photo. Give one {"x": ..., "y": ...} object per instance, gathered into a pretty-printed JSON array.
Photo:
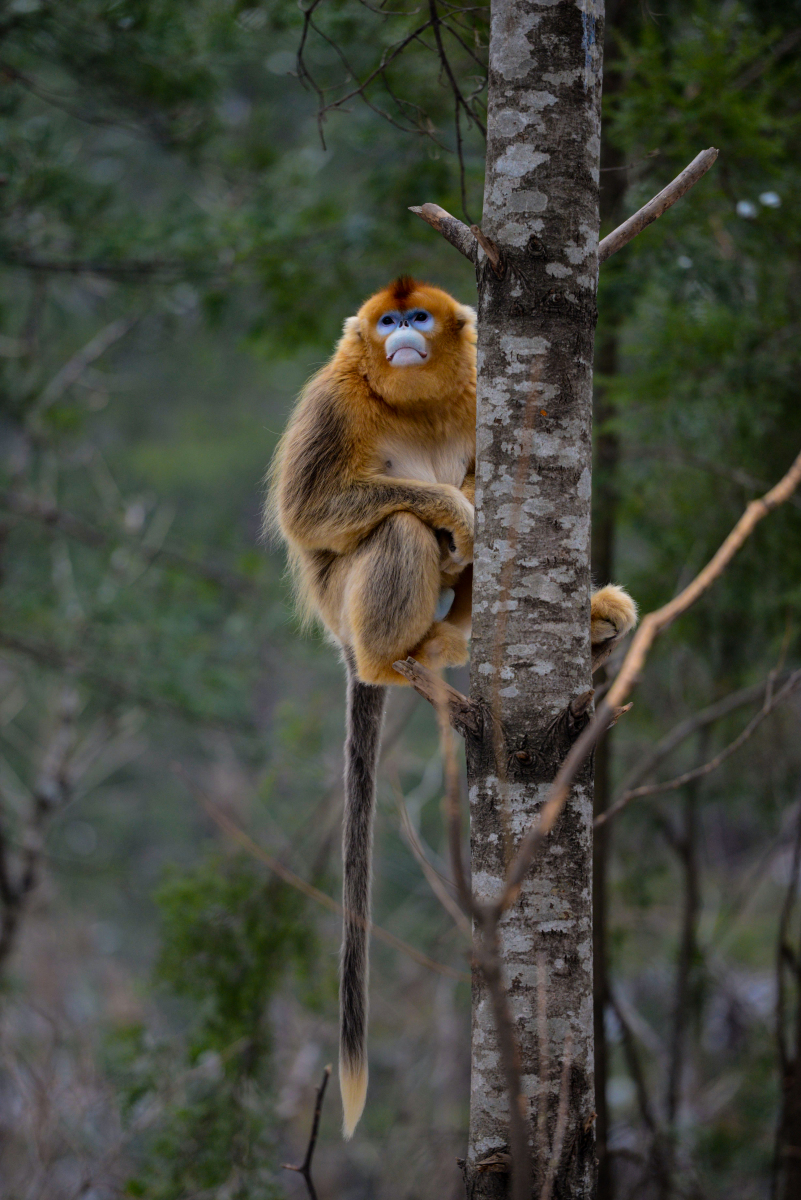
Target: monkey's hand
[
  {"x": 613, "y": 613},
  {"x": 456, "y": 539},
  {"x": 468, "y": 487}
]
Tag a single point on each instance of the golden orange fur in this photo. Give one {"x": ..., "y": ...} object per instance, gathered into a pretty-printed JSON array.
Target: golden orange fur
[{"x": 374, "y": 447}]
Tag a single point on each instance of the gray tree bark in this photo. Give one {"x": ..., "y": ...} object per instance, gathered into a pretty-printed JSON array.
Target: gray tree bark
[{"x": 530, "y": 648}]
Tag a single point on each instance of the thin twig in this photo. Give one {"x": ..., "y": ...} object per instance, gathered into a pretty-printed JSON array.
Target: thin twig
[
  {"x": 634, "y": 1067},
  {"x": 51, "y": 792},
  {"x": 462, "y": 712},
  {"x": 561, "y": 1119},
  {"x": 670, "y": 785},
  {"x": 53, "y": 517},
  {"x": 659, "y": 204},
  {"x": 453, "y": 799},
  {"x": 686, "y": 728},
  {"x": 305, "y": 1167},
  {"x": 48, "y": 655},
  {"x": 308, "y": 889},
  {"x": 75, "y": 367},
  {"x": 490, "y": 249},
  {"x": 432, "y": 876}
]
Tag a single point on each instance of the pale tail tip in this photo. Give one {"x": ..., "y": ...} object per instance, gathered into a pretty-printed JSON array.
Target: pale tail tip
[{"x": 353, "y": 1086}]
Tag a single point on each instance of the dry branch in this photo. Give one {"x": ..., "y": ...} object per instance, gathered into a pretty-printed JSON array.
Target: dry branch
[
  {"x": 654, "y": 623},
  {"x": 53, "y": 658},
  {"x": 75, "y": 367},
  {"x": 452, "y": 230},
  {"x": 305, "y": 1167},
  {"x": 685, "y": 729},
  {"x": 467, "y": 239},
  {"x": 308, "y": 889},
  {"x": 659, "y": 204},
  {"x": 432, "y": 876},
  {"x": 671, "y": 785},
  {"x": 53, "y": 517},
  {"x": 463, "y": 714},
  {"x": 490, "y": 249}
]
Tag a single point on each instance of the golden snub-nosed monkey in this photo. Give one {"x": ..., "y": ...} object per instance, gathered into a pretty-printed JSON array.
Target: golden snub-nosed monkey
[{"x": 372, "y": 490}]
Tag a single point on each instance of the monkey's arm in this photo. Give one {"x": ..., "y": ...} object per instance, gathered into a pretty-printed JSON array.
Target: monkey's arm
[{"x": 342, "y": 517}]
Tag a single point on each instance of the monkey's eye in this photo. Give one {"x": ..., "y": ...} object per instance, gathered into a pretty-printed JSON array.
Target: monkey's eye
[
  {"x": 422, "y": 319},
  {"x": 387, "y": 321}
]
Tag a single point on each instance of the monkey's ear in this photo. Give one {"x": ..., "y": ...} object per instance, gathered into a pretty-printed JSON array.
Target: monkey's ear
[
  {"x": 351, "y": 328},
  {"x": 465, "y": 316}
]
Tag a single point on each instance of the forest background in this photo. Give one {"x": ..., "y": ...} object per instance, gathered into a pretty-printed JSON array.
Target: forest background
[{"x": 181, "y": 237}]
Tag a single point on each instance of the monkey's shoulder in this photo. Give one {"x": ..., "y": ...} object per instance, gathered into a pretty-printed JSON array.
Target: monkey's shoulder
[{"x": 319, "y": 445}]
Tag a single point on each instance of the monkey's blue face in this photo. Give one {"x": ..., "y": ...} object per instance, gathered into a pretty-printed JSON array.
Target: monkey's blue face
[{"x": 405, "y": 345}]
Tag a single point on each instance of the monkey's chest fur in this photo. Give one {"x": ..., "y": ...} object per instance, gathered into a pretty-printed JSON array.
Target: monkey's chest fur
[{"x": 434, "y": 462}]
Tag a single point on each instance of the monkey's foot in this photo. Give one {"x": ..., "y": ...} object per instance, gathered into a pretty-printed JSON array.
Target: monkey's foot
[
  {"x": 443, "y": 646},
  {"x": 613, "y": 613}
]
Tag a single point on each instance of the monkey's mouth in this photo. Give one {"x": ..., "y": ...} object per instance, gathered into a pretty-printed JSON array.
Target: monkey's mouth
[
  {"x": 406, "y": 356},
  {"x": 406, "y": 348}
]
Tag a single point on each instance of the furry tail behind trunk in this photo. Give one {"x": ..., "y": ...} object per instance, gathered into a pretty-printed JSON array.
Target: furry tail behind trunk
[{"x": 364, "y": 721}]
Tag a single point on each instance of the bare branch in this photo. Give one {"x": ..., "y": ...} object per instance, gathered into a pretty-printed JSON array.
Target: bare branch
[
  {"x": 124, "y": 269},
  {"x": 48, "y": 655},
  {"x": 661, "y": 203},
  {"x": 634, "y": 1067},
  {"x": 488, "y": 956},
  {"x": 305, "y": 1167},
  {"x": 685, "y": 729},
  {"x": 230, "y": 827},
  {"x": 654, "y": 623},
  {"x": 66, "y": 522},
  {"x": 561, "y": 1119},
  {"x": 650, "y": 627},
  {"x": 670, "y": 785},
  {"x": 604, "y": 650},
  {"x": 452, "y": 230},
  {"x": 463, "y": 713},
  {"x": 52, "y": 790},
  {"x": 432, "y": 876},
  {"x": 453, "y": 802},
  {"x": 91, "y": 352}
]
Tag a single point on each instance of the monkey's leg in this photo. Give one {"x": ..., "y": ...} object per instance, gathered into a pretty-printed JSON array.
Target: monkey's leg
[{"x": 391, "y": 595}]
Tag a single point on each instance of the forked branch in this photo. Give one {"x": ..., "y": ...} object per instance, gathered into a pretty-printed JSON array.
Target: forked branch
[
  {"x": 305, "y": 1167},
  {"x": 671, "y": 785}
]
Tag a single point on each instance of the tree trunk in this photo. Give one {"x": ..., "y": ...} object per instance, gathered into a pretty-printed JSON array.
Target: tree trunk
[{"x": 531, "y": 650}]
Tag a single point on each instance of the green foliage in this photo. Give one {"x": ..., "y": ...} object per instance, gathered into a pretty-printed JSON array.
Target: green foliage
[
  {"x": 227, "y": 938},
  {"x": 199, "y": 1106}
]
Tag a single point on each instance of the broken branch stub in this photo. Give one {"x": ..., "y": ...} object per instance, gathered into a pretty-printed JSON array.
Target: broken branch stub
[{"x": 453, "y": 230}]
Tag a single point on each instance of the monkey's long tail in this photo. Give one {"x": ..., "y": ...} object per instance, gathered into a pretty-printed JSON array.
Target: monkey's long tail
[{"x": 365, "y": 717}]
